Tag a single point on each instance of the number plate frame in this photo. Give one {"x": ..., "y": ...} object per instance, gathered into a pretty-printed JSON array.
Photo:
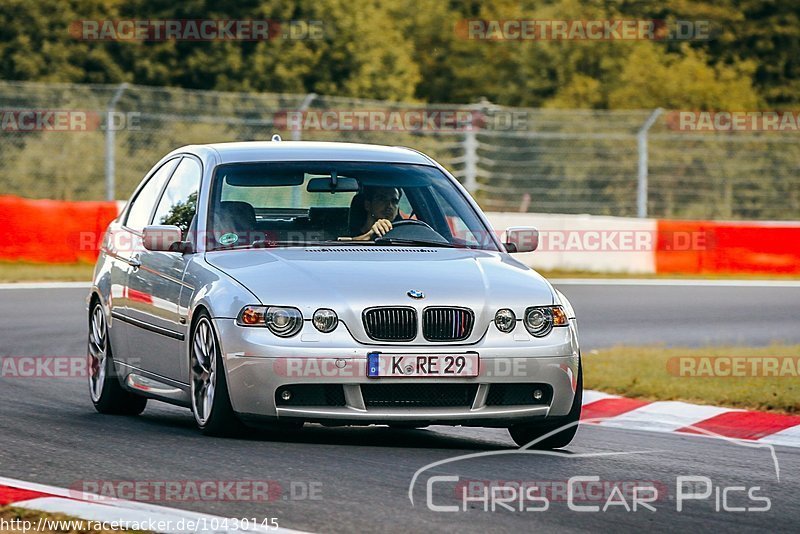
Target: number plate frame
[{"x": 424, "y": 365}]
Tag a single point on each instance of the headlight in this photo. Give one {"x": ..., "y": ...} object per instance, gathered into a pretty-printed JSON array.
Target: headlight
[
  {"x": 325, "y": 320},
  {"x": 540, "y": 320},
  {"x": 281, "y": 321},
  {"x": 505, "y": 320}
]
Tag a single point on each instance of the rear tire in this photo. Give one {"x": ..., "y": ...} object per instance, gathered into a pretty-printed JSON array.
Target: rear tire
[
  {"x": 211, "y": 404},
  {"x": 105, "y": 390},
  {"x": 525, "y": 433}
]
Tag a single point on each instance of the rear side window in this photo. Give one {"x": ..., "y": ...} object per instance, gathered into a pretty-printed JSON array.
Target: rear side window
[
  {"x": 142, "y": 206},
  {"x": 179, "y": 202}
]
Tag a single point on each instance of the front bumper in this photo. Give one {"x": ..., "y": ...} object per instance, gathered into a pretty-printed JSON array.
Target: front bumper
[{"x": 258, "y": 365}]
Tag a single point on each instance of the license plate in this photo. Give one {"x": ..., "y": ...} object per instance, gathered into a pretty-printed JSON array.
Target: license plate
[{"x": 380, "y": 364}]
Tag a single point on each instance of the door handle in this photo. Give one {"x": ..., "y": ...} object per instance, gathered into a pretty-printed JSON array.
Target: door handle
[{"x": 135, "y": 262}]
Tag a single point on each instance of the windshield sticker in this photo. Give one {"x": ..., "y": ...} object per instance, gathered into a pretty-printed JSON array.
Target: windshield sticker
[{"x": 228, "y": 239}]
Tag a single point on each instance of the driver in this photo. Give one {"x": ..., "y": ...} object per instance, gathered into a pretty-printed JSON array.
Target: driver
[{"x": 381, "y": 205}]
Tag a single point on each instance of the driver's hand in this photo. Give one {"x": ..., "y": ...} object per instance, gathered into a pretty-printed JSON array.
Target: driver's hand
[{"x": 381, "y": 227}]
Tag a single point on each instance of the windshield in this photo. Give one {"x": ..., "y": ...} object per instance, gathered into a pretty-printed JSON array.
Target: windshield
[{"x": 279, "y": 204}]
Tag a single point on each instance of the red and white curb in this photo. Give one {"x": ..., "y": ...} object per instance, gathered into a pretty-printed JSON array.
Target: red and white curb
[
  {"x": 103, "y": 509},
  {"x": 682, "y": 417}
]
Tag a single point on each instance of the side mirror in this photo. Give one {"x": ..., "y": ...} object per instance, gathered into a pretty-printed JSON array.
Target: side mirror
[
  {"x": 521, "y": 239},
  {"x": 161, "y": 238}
]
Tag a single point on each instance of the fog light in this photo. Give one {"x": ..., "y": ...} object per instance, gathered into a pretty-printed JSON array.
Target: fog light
[
  {"x": 537, "y": 394},
  {"x": 505, "y": 320},
  {"x": 325, "y": 320},
  {"x": 286, "y": 395}
]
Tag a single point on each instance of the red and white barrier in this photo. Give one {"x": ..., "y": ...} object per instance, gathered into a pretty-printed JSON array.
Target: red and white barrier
[
  {"x": 65, "y": 232},
  {"x": 653, "y": 246}
]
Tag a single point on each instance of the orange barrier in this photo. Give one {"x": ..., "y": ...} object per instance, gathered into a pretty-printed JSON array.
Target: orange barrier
[
  {"x": 52, "y": 231},
  {"x": 696, "y": 247}
]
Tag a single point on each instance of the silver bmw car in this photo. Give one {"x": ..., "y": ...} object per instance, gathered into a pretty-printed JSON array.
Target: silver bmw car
[{"x": 277, "y": 283}]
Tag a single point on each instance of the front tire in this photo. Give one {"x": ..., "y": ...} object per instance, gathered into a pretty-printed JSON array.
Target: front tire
[
  {"x": 525, "y": 433},
  {"x": 211, "y": 404},
  {"x": 107, "y": 394}
]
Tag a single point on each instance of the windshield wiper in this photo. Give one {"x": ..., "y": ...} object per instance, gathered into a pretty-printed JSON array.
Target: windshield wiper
[
  {"x": 272, "y": 244},
  {"x": 275, "y": 244},
  {"x": 412, "y": 242}
]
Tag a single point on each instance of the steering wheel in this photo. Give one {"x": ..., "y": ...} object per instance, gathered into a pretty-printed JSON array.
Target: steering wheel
[
  {"x": 407, "y": 222},
  {"x": 413, "y": 229}
]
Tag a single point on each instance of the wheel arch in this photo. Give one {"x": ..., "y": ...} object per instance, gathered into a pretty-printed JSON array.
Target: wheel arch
[{"x": 198, "y": 311}]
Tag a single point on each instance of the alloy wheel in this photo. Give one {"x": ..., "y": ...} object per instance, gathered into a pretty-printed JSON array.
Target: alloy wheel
[{"x": 204, "y": 371}]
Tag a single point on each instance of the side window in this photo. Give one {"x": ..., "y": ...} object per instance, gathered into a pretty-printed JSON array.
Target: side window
[
  {"x": 457, "y": 227},
  {"x": 404, "y": 208},
  {"x": 142, "y": 207},
  {"x": 179, "y": 202}
]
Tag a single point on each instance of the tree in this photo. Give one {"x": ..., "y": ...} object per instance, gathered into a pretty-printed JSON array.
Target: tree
[
  {"x": 36, "y": 43},
  {"x": 652, "y": 77}
]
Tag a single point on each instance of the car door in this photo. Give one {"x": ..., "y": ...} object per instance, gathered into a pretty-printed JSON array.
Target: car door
[
  {"x": 125, "y": 245},
  {"x": 154, "y": 288}
]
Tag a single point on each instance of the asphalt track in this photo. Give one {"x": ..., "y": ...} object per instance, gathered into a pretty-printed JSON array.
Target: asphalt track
[{"x": 50, "y": 434}]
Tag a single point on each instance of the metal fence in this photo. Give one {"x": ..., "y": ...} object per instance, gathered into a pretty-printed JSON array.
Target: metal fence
[{"x": 625, "y": 163}]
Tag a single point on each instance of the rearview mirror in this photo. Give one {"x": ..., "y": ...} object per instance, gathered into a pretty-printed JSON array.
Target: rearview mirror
[
  {"x": 521, "y": 239},
  {"x": 333, "y": 184},
  {"x": 161, "y": 238}
]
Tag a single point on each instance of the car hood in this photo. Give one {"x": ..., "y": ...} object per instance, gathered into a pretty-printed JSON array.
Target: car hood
[{"x": 349, "y": 279}]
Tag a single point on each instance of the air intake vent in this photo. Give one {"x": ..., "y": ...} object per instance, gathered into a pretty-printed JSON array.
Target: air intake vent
[
  {"x": 391, "y": 324},
  {"x": 416, "y": 395},
  {"x": 447, "y": 324}
]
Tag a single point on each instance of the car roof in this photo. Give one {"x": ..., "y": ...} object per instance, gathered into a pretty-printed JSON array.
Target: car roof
[{"x": 251, "y": 151}]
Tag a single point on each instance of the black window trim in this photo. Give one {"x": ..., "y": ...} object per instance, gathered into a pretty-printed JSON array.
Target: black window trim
[
  {"x": 144, "y": 183},
  {"x": 481, "y": 217},
  {"x": 166, "y": 184}
]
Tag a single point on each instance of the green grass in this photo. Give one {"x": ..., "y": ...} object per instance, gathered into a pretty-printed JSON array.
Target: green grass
[
  {"x": 652, "y": 373},
  {"x": 45, "y": 272}
]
